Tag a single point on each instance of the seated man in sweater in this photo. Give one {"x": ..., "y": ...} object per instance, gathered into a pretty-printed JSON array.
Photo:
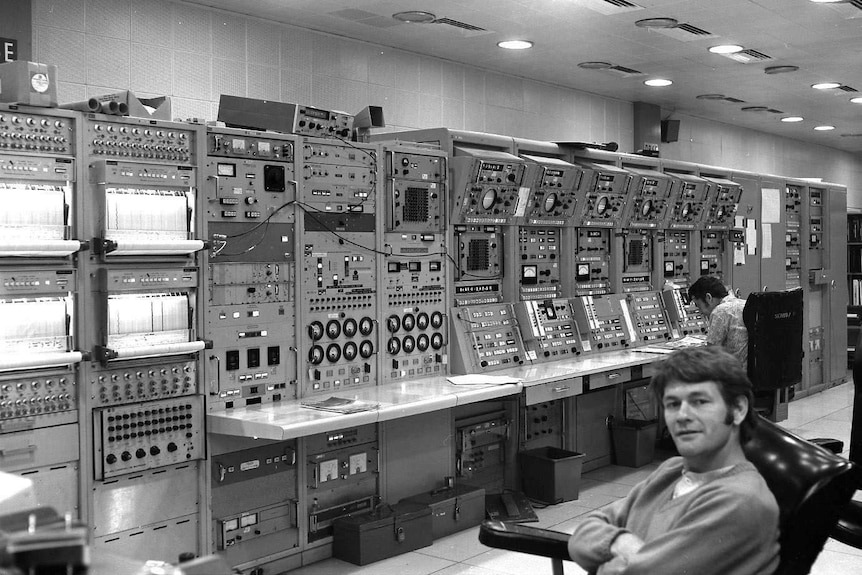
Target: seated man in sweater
[{"x": 706, "y": 512}]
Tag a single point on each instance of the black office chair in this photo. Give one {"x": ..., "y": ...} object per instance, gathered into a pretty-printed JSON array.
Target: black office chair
[
  {"x": 849, "y": 528},
  {"x": 774, "y": 323},
  {"x": 810, "y": 484}
]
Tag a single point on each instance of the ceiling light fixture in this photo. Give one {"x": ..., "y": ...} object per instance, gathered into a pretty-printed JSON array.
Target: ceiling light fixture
[
  {"x": 825, "y": 85},
  {"x": 658, "y": 82},
  {"x": 791, "y": 119},
  {"x": 726, "y": 49},
  {"x": 657, "y": 23},
  {"x": 824, "y": 128},
  {"x": 415, "y": 17},
  {"x": 780, "y": 69},
  {"x": 856, "y": 100},
  {"x": 515, "y": 44}
]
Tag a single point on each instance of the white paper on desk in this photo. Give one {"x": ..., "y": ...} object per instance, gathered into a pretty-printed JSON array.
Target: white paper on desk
[{"x": 481, "y": 379}]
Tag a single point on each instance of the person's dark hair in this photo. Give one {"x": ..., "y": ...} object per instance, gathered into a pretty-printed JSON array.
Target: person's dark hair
[
  {"x": 708, "y": 363},
  {"x": 707, "y": 285}
]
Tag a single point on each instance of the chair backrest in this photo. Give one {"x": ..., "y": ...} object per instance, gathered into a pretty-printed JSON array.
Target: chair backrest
[
  {"x": 774, "y": 323},
  {"x": 811, "y": 485}
]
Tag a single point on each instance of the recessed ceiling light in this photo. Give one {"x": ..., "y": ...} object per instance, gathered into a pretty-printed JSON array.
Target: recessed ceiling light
[
  {"x": 780, "y": 69},
  {"x": 726, "y": 49},
  {"x": 658, "y": 82},
  {"x": 515, "y": 44},
  {"x": 710, "y": 97},
  {"x": 824, "y": 128},
  {"x": 856, "y": 100},
  {"x": 792, "y": 119},
  {"x": 825, "y": 85},
  {"x": 415, "y": 17},
  {"x": 657, "y": 23}
]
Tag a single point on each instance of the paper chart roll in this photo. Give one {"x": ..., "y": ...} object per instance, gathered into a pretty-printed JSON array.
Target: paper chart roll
[
  {"x": 39, "y": 248},
  {"x": 154, "y": 247},
  {"x": 157, "y": 350},
  {"x": 36, "y": 360}
]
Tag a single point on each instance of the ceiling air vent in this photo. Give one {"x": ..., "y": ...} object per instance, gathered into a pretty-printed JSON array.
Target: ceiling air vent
[
  {"x": 457, "y": 24},
  {"x": 748, "y": 56},
  {"x": 610, "y": 7},
  {"x": 367, "y": 18},
  {"x": 734, "y": 100},
  {"x": 624, "y": 72},
  {"x": 847, "y": 89},
  {"x": 685, "y": 32}
]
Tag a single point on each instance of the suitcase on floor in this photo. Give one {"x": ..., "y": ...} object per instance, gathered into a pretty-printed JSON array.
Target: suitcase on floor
[
  {"x": 453, "y": 509},
  {"x": 386, "y": 532}
]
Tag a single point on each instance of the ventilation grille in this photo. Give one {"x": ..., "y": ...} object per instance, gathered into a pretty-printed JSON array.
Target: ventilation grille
[
  {"x": 734, "y": 100},
  {"x": 624, "y": 72},
  {"x": 457, "y": 24},
  {"x": 685, "y": 32},
  {"x": 757, "y": 55},
  {"x": 416, "y": 205},
  {"x": 611, "y": 7},
  {"x": 367, "y": 18},
  {"x": 478, "y": 255},
  {"x": 848, "y": 88},
  {"x": 856, "y": 3},
  {"x": 748, "y": 56},
  {"x": 693, "y": 30}
]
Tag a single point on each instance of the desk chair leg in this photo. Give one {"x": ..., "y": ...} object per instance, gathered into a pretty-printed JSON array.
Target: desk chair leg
[{"x": 556, "y": 567}]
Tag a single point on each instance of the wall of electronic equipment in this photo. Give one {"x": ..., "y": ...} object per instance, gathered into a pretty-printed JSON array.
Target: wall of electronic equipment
[{"x": 154, "y": 272}]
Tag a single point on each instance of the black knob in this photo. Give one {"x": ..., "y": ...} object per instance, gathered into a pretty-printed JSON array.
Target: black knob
[
  {"x": 111, "y": 459},
  {"x": 172, "y": 447},
  {"x": 154, "y": 450},
  {"x": 140, "y": 453},
  {"x": 126, "y": 456}
]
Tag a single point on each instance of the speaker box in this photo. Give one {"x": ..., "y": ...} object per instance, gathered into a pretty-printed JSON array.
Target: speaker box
[{"x": 669, "y": 131}]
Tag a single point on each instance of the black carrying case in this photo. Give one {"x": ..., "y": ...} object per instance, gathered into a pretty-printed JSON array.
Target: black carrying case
[
  {"x": 386, "y": 532},
  {"x": 452, "y": 508}
]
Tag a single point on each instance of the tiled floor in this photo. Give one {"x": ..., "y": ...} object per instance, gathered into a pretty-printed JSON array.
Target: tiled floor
[{"x": 827, "y": 414}]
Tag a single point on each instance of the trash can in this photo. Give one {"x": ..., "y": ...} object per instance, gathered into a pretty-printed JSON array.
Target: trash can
[
  {"x": 634, "y": 442},
  {"x": 550, "y": 474}
]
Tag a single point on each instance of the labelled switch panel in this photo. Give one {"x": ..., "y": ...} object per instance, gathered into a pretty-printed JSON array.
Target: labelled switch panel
[
  {"x": 712, "y": 253},
  {"x": 548, "y": 329},
  {"x": 553, "y": 201},
  {"x": 478, "y": 267},
  {"x": 143, "y": 436},
  {"x": 341, "y": 472},
  {"x": 591, "y": 268},
  {"x": 647, "y": 317},
  {"x": 685, "y": 319},
  {"x": 488, "y": 187},
  {"x": 487, "y": 338},
  {"x": 603, "y": 322},
  {"x": 605, "y": 192},
  {"x": 676, "y": 254},
  {"x": 142, "y": 381},
  {"x": 793, "y": 239},
  {"x": 543, "y": 424},
  {"x": 536, "y": 267}
]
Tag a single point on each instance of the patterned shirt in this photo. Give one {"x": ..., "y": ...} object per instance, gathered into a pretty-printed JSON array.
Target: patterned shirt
[{"x": 727, "y": 329}]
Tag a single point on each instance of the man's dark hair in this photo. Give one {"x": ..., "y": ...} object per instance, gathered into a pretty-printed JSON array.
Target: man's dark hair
[
  {"x": 707, "y": 285},
  {"x": 708, "y": 363}
]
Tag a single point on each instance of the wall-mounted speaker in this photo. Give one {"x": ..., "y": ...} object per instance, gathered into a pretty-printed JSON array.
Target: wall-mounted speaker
[{"x": 669, "y": 131}]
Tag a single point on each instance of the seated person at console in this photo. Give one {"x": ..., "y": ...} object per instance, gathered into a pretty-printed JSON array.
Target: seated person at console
[
  {"x": 705, "y": 512},
  {"x": 723, "y": 310}
]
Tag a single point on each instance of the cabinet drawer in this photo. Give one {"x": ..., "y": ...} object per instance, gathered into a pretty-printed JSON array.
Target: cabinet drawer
[
  {"x": 38, "y": 447},
  {"x": 554, "y": 390},
  {"x": 607, "y": 378}
]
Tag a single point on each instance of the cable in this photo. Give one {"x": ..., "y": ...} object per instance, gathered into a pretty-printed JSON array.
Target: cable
[{"x": 303, "y": 207}]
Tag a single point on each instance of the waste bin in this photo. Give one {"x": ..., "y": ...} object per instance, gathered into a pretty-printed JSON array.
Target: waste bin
[
  {"x": 550, "y": 474},
  {"x": 633, "y": 441}
]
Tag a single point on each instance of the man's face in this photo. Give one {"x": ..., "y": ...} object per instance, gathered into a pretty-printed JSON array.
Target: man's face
[
  {"x": 703, "y": 427},
  {"x": 705, "y": 305}
]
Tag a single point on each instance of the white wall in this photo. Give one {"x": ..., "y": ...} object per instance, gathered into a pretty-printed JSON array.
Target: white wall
[{"x": 193, "y": 54}]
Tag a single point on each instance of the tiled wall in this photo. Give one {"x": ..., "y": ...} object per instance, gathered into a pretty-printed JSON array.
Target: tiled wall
[{"x": 194, "y": 54}]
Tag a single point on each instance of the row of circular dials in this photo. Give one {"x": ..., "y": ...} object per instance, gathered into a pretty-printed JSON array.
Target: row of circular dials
[
  {"x": 408, "y": 343},
  {"x": 335, "y": 352},
  {"x": 409, "y": 321},
  {"x": 334, "y": 328}
]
